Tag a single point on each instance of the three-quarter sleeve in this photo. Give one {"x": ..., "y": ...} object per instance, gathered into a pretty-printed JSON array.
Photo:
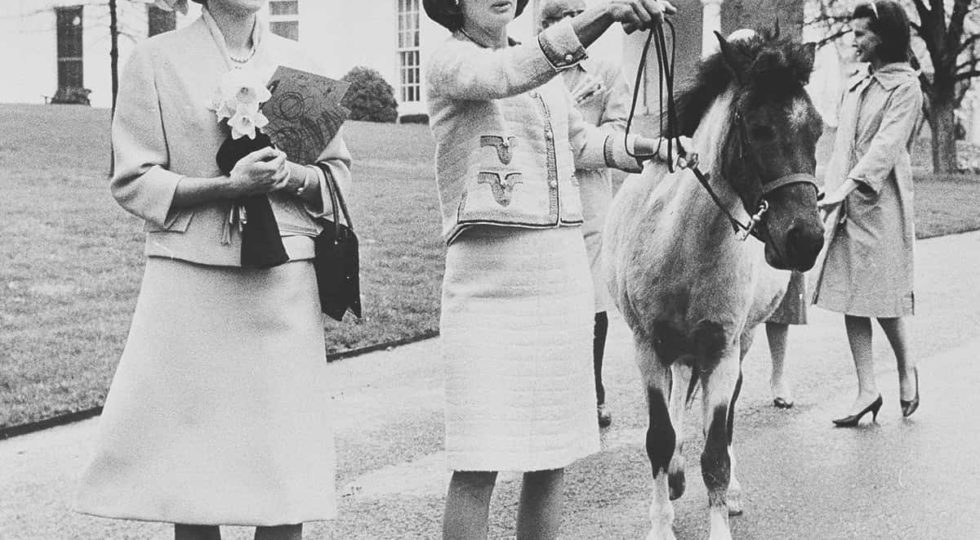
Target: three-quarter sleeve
[
  {"x": 594, "y": 148},
  {"x": 336, "y": 160},
  {"x": 463, "y": 71},
  {"x": 141, "y": 182},
  {"x": 898, "y": 121}
]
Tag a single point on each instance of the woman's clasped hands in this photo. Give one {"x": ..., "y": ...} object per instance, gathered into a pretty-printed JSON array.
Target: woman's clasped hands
[
  {"x": 639, "y": 14},
  {"x": 260, "y": 172}
]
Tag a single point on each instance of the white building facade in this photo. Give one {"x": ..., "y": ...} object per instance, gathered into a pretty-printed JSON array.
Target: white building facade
[{"x": 47, "y": 44}]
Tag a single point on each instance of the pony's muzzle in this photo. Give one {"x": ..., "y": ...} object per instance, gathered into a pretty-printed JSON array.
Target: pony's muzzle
[{"x": 803, "y": 243}]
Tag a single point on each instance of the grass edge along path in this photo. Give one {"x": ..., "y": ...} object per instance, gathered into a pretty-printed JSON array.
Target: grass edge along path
[{"x": 69, "y": 275}]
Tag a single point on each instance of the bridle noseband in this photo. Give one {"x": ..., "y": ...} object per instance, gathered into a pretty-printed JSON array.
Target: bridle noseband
[{"x": 686, "y": 160}]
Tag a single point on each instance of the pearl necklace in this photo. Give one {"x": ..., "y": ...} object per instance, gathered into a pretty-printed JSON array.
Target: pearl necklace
[{"x": 241, "y": 60}]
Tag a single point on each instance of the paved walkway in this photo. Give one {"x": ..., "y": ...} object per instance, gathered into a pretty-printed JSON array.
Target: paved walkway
[{"x": 916, "y": 479}]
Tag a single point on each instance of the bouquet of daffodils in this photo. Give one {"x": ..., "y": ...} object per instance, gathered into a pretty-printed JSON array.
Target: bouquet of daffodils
[
  {"x": 237, "y": 101},
  {"x": 237, "y": 104}
]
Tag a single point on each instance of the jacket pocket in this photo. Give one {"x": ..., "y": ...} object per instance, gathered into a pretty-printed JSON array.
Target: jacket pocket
[{"x": 177, "y": 222}]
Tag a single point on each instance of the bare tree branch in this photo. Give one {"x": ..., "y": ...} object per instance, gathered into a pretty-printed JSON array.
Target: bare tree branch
[
  {"x": 967, "y": 75},
  {"x": 954, "y": 33},
  {"x": 968, "y": 42}
]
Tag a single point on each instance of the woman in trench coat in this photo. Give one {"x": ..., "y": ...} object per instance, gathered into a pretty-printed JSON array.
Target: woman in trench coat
[{"x": 867, "y": 271}]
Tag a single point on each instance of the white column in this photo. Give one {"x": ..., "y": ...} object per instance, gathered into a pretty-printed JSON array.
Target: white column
[
  {"x": 974, "y": 129},
  {"x": 711, "y": 23}
]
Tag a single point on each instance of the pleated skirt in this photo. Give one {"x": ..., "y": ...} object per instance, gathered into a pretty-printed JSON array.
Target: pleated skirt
[
  {"x": 516, "y": 327},
  {"x": 218, "y": 413}
]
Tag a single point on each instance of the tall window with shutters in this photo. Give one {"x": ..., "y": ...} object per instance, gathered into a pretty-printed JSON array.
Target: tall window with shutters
[
  {"x": 284, "y": 18},
  {"x": 409, "y": 66},
  {"x": 69, "y": 32}
]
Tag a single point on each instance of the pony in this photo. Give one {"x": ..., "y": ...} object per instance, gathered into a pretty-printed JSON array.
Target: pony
[{"x": 691, "y": 291}]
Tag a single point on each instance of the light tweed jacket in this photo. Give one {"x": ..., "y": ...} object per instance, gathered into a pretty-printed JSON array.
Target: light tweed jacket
[
  {"x": 508, "y": 137},
  {"x": 163, "y": 131}
]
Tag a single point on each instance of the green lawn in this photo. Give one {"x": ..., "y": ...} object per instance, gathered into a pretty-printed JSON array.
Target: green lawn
[{"x": 71, "y": 259}]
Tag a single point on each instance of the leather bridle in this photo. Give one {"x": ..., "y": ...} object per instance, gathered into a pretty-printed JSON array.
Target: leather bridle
[{"x": 686, "y": 160}]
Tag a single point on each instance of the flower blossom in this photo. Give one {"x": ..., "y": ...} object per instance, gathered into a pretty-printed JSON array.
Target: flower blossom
[{"x": 237, "y": 100}]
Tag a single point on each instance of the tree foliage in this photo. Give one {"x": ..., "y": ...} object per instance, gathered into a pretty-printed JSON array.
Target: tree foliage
[{"x": 370, "y": 98}]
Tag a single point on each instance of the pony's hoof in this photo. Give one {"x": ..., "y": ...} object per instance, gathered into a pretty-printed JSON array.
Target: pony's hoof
[
  {"x": 677, "y": 484},
  {"x": 734, "y": 502}
]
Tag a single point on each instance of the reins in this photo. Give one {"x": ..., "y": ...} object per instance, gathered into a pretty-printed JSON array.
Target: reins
[{"x": 685, "y": 160}]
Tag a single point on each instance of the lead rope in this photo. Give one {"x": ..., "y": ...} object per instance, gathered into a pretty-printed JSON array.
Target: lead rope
[{"x": 684, "y": 160}]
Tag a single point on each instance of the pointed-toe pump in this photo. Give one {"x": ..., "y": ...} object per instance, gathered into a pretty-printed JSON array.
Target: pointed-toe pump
[
  {"x": 852, "y": 420},
  {"x": 909, "y": 406}
]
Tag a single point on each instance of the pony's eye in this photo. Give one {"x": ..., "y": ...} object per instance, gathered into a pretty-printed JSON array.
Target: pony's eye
[{"x": 764, "y": 133}]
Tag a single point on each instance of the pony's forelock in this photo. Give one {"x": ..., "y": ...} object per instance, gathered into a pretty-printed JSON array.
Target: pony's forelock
[{"x": 775, "y": 67}]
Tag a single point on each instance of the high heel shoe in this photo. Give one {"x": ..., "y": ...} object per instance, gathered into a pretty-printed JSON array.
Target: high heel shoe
[
  {"x": 909, "y": 407},
  {"x": 852, "y": 420}
]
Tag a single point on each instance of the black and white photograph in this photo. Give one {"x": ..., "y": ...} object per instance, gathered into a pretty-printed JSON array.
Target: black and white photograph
[{"x": 489, "y": 269}]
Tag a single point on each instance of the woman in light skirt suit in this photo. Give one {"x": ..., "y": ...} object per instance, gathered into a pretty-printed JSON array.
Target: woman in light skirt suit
[
  {"x": 218, "y": 412},
  {"x": 517, "y": 305}
]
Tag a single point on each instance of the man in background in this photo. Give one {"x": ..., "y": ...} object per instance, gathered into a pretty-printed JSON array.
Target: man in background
[{"x": 602, "y": 95}]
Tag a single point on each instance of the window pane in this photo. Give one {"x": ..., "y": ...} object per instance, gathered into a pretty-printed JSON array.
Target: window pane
[
  {"x": 281, "y": 7},
  {"x": 286, "y": 29}
]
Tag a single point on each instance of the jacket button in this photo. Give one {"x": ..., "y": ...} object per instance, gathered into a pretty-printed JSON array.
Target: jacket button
[
  {"x": 569, "y": 57},
  {"x": 532, "y": 94},
  {"x": 553, "y": 183},
  {"x": 548, "y": 135}
]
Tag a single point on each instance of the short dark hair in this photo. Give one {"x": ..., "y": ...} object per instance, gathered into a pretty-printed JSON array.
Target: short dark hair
[
  {"x": 448, "y": 14},
  {"x": 890, "y": 23}
]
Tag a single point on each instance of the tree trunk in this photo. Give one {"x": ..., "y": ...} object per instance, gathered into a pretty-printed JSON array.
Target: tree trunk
[
  {"x": 114, "y": 50},
  {"x": 942, "y": 121}
]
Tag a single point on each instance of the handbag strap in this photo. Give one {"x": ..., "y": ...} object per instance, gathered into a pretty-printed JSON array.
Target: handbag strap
[{"x": 336, "y": 199}]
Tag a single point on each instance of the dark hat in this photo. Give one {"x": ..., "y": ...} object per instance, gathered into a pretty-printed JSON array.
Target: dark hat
[{"x": 448, "y": 14}]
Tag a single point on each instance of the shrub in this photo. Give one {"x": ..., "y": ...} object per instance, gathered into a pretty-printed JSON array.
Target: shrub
[
  {"x": 370, "y": 97},
  {"x": 71, "y": 95}
]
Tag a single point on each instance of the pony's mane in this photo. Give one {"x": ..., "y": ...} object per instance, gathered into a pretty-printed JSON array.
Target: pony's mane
[{"x": 770, "y": 67}]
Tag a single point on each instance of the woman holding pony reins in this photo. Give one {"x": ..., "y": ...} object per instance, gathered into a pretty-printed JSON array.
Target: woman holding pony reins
[
  {"x": 517, "y": 306},
  {"x": 867, "y": 271}
]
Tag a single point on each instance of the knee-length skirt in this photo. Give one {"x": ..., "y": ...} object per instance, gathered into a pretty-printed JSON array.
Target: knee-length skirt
[
  {"x": 517, "y": 317},
  {"x": 792, "y": 310},
  {"x": 218, "y": 411}
]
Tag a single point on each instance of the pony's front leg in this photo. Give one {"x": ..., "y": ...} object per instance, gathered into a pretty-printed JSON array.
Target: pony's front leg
[
  {"x": 680, "y": 388},
  {"x": 660, "y": 439},
  {"x": 718, "y": 386}
]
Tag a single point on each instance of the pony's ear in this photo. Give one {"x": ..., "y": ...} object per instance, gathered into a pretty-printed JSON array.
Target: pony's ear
[
  {"x": 807, "y": 54},
  {"x": 736, "y": 61}
]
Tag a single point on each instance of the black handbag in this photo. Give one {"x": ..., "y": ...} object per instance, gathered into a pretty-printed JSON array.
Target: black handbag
[{"x": 336, "y": 261}]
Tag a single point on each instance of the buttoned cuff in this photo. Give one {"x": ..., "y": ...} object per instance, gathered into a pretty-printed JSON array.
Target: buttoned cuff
[{"x": 561, "y": 46}]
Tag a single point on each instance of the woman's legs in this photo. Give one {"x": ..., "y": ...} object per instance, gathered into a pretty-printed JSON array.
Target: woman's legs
[
  {"x": 468, "y": 505},
  {"x": 212, "y": 532},
  {"x": 281, "y": 532},
  {"x": 859, "y": 338},
  {"x": 778, "y": 336},
  {"x": 601, "y": 329},
  {"x": 897, "y": 332},
  {"x": 196, "y": 532},
  {"x": 539, "y": 515}
]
